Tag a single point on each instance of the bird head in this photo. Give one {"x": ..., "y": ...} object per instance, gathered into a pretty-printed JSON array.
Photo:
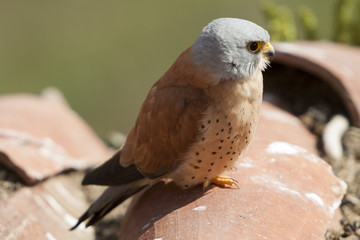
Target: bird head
[{"x": 232, "y": 49}]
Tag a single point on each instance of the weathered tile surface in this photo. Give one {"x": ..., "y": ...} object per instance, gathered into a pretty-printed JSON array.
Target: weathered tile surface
[
  {"x": 336, "y": 64},
  {"x": 45, "y": 211},
  {"x": 276, "y": 124},
  {"x": 286, "y": 192},
  {"x": 40, "y": 138}
]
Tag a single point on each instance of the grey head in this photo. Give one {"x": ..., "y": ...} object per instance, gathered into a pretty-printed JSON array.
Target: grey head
[{"x": 223, "y": 49}]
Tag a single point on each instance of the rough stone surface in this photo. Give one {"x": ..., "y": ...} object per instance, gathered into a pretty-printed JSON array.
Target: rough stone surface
[{"x": 40, "y": 138}]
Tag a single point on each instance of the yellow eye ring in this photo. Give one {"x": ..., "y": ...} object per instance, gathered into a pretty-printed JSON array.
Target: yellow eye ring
[{"x": 254, "y": 46}]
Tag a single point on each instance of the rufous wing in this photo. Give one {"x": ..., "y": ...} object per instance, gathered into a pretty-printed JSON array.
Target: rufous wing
[{"x": 168, "y": 123}]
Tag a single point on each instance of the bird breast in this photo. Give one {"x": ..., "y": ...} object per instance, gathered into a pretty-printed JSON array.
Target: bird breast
[{"x": 225, "y": 131}]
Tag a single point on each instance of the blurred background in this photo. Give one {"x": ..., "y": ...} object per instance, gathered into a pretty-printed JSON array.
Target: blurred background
[{"x": 105, "y": 55}]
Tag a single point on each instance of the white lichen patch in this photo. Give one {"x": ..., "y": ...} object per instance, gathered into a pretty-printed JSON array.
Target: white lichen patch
[
  {"x": 199, "y": 208},
  {"x": 49, "y": 236},
  {"x": 285, "y": 189},
  {"x": 278, "y": 185},
  {"x": 273, "y": 183},
  {"x": 315, "y": 198},
  {"x": 245, "y": 165},
  {"x": 334, "y": 206},
  {"x": 284, "y": 148},
  {"x": 245, "y": 162},
  {"x": 312, "y": 158}
]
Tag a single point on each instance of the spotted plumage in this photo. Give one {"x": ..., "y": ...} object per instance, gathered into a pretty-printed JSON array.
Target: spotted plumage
[{"x": 196, "y": 120}]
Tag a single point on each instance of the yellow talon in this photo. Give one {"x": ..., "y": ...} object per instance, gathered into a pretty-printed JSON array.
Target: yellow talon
[{"x": 225, "y": 180}]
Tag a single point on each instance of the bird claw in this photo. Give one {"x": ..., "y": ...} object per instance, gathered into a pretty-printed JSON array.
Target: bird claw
[{"x": 224, "y": 181}]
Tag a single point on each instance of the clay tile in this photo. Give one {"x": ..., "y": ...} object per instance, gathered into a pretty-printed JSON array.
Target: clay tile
[
  {"x": 42, "y": 212},
  {"x": 41, "y": 137},
  {"x": 334, "y": 64},
  {"x": 285, "y": 191},
  {"x": 276, "y": 124}
]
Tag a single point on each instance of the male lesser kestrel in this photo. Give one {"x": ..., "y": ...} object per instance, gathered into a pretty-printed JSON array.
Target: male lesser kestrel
[{"x": 196, "y": 120}]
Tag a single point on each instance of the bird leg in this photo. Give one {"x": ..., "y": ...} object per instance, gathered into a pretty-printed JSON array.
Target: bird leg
[{"x": 223, "y": 181}]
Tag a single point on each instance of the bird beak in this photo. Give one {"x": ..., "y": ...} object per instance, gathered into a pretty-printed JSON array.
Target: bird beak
[{"x": 269, "y": 51}]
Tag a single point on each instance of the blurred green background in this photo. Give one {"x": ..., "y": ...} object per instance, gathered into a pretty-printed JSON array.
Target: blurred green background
[{"x": 105, "y": 55}]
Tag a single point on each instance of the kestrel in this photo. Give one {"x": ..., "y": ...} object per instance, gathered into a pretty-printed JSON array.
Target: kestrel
[{"x": 195, "y": 121}]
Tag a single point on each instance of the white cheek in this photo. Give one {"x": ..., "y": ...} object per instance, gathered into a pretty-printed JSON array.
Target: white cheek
[{"x": 263, "y": 63}]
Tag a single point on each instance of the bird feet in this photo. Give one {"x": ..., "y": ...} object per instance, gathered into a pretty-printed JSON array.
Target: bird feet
[{"x": 223, "y": 181}]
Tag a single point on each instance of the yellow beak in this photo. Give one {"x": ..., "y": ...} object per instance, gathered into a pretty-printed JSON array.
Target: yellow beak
[{"x": 269, "y": 51}]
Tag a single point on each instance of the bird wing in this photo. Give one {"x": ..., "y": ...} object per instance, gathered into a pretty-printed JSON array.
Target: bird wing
[
  {"x": 168, "y": 123},
  {"x": 111, "y": 173}
]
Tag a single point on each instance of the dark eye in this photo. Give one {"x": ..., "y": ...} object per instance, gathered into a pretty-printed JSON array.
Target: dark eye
[{"x": 254, "y": 46}]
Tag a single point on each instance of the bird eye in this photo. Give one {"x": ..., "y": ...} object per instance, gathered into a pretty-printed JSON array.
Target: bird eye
[{"x": 254, "y": 46}]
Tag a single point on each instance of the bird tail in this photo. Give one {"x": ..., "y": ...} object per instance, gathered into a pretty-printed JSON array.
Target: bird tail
[{"x": 111, "y": 197}]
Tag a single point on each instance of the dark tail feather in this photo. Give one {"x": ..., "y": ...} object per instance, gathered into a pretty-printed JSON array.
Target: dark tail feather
[
  {"x": 81, "y": 219},
  {"x": 111, "y": 173},
  {"x": 100, "y": 214},
  {"x": 111, "y": 197}
]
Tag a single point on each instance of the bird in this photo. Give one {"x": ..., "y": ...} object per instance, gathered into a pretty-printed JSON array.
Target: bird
[{"x": 196, "y": 120}]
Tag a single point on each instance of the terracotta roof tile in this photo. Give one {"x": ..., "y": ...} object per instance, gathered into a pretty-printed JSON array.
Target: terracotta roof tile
[
  {"x": 334, "y": 63},
  {"x": 286, "y": 191},
  {"x": 43, "y": 212},
  {"x": 40, "y": 138}
]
